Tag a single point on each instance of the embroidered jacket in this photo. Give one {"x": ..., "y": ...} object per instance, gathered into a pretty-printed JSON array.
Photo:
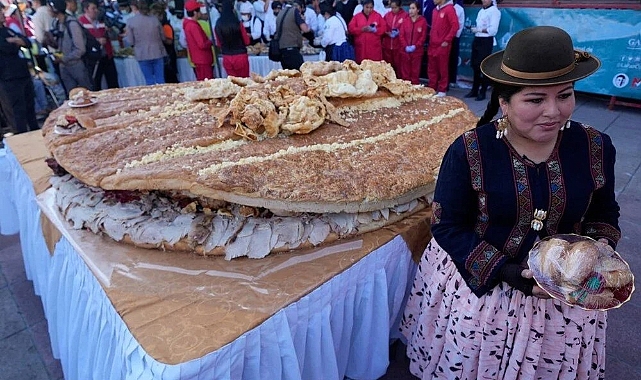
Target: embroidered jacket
[{"x": 486, "y": 195}]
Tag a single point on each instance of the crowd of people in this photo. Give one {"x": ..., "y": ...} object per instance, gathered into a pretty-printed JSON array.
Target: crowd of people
[{"x": 75, "y": 41}]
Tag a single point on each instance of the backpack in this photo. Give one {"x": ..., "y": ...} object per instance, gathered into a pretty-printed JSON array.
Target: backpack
[{"x": 93, "y": 48}]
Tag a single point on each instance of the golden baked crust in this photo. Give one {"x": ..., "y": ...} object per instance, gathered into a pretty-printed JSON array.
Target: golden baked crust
[{"x": 157, "y": 138}]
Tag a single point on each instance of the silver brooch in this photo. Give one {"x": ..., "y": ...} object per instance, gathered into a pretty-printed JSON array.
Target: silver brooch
[{"x": 539, "y": 217}]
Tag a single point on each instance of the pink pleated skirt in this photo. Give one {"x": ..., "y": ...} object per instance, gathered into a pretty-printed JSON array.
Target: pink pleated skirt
[{"x": 453, "y": 334}]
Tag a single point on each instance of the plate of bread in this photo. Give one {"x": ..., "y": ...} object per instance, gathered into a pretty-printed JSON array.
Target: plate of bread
[{"x": 581, "y": 271}]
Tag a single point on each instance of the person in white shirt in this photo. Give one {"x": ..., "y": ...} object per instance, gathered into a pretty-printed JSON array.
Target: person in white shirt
[
  {"x": 454, "y": 53},
  {"x": 261, "y": 8},
  {"x": 269, "y": 28},
  {"x": 244, "y": 5},
  {"x": 41, "y": 20},
  {"x": 252, "y": 24},
  {"x": 487, "y": 25},
  {"x": 334, "y": 32}
]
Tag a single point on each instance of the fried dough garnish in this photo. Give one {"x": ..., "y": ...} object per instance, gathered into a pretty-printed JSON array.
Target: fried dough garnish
[
  {"x": 291, "y": 105},
  {"x": 242, "y": 82},
  {"x": 319, "y": 68}
]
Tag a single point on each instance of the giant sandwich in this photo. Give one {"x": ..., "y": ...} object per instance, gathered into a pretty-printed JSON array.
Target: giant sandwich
[{"x": 249, "y": 166}]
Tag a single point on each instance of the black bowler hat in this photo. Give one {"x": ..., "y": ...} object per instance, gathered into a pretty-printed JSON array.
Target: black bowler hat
[{"x": 539, "y": 56}]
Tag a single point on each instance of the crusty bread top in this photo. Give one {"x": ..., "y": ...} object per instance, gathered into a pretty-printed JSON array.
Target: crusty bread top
[{"x": 154, "y": 137}]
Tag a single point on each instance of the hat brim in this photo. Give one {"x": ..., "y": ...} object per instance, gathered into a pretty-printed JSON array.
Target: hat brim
[{"x": 491, "y": 68}]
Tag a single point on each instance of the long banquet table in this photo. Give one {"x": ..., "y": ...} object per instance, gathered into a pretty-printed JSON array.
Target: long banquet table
[
  {"x": 129, "y": 73},
  {"x": 120, "y": 312}
]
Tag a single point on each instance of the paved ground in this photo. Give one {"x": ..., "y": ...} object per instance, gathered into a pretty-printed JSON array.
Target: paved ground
[{"x": 25, "y": 351}]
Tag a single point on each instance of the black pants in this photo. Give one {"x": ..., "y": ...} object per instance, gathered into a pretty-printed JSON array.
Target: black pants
[
  {"x": 20, "y": 96},
  {"x": 290, "y": 58},
  {"x": 481, "y": 48},
  {"x": 107, "y": 67},
  {"x": 453, "y": 64}
]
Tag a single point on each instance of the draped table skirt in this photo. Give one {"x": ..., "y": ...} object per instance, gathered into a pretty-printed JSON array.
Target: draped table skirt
[{"x": 341, "y": 328}]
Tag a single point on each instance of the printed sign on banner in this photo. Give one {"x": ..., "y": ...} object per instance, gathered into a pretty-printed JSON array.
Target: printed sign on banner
[{"x": 614, "y": 36}]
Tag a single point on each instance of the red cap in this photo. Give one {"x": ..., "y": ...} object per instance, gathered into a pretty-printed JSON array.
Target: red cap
[{"x": 192, "y": 5}]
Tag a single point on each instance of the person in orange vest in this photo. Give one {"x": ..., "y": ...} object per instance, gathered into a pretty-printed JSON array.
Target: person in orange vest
[{"x": 199, "y": 46}]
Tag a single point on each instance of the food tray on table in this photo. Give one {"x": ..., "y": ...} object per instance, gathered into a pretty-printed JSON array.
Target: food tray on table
[{"x": 581, "y": 271}]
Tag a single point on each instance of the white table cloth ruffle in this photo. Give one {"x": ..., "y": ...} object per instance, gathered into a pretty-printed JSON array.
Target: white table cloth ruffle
[
  {"x": 342, "y": 328},
  {"x": 8, "y": 216}
]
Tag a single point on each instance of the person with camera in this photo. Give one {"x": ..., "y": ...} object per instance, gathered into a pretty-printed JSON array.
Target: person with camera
[
  {"x": 70, "y": 41},
  {"x": 15, "y": 80},
  {"x": 105, "y": 65},
  {"x": 368, "y": 27}
]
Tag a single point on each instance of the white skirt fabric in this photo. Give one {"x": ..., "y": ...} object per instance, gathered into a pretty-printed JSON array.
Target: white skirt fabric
[{"x": 453, "y": 334}]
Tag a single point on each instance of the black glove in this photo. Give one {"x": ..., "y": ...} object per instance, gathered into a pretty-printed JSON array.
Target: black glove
[{"x": 511, "y": 273}]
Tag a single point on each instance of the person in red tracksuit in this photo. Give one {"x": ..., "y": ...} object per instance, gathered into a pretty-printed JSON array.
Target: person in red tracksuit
[
  {"x": 198, "y": 45},
  {"x": 391, "y": 43},
  {"x": 412, "y": 36},
  {"x": 368, "y": 27},
  {"x": 444, "y": 28}
]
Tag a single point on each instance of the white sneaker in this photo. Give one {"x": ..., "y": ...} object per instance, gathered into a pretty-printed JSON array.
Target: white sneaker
[{"x": 440, "y": 94}]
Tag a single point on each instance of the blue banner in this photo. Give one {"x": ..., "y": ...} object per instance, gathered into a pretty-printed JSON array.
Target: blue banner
[{"x": 613, "y": 36}]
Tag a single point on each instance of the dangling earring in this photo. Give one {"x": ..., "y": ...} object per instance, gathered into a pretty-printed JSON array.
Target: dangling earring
[
  {"x": 502, "y": 124},
  {"x": 566, "y": 125}
]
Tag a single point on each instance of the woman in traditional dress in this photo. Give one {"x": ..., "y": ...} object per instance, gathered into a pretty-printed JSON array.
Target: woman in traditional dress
[{"x": 474, "y": 310}]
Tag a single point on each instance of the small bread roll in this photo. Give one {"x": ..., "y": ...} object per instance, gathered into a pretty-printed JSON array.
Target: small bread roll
[
  {"x": 86, "y": 122},
  {"x": 614, "y": 271},
  {"x": 603, "y": 300},
  {"x": 80, "y": 95},
  {"x": 551, "y": 253},
  {"x": 580, "y": 260}
]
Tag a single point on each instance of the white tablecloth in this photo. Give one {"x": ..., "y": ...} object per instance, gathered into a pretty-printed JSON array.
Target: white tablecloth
[
  {"x": 8, "y": 216},
  {"x": 129, "y": 73},
  {"x": 342, "y": 328}
]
